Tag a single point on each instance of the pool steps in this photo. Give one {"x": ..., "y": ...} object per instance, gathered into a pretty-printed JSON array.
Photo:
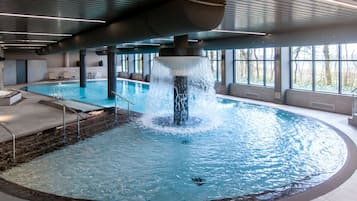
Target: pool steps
[{"x": 45, "y": 141}]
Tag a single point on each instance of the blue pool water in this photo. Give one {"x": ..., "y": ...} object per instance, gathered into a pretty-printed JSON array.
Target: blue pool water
[
  {"x": 96, "y": 92},
  {"x": 254, "y": 149}
]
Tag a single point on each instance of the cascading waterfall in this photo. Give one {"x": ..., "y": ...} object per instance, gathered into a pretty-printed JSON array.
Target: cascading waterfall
[{"x": 182, "y": 97}]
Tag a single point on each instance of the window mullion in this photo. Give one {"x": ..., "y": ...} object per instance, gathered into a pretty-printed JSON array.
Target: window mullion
[
  {"x": 339, "y": 69},
  {"x": 248, "y": 66},
  {"x": 313, "y": 69},
  {"x": 264, "y": 68}
]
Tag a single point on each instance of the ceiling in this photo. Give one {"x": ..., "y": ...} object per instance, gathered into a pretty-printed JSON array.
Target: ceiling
[{"x": 263, "y": 16}]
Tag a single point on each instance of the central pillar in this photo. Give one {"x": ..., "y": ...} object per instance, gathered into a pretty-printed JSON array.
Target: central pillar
[
  {"x": 112, "y": 81},
  {"x": 82, "y": 68},
  {"x": 180, "y": 100},
  {"x": 181, "y": 95}
]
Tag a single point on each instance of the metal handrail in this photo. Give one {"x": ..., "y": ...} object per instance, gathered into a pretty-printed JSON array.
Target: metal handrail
[
  {"x": 79, "y": 116},
  {"x": 354, "y": 90},
  {"x": 13, "y": 141},
  {"x": 123, "y": 98}
]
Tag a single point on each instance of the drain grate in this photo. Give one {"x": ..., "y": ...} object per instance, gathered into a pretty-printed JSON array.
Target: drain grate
[{"x": 198, "y": 181}]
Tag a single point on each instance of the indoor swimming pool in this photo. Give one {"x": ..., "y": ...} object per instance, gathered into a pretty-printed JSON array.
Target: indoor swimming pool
[{"x": 244, "y": 149}]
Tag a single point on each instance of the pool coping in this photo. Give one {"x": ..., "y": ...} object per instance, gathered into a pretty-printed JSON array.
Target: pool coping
[{"x": 311, "y": 193}]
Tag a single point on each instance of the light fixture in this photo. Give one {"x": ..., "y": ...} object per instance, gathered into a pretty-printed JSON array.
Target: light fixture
[
  {"x": 34, "y": 33},
  {"x": 239, "y": 32},
  {"x": 31, "y": 41},
  {"x": 22, "y": 45},
  {"x": 172, "y": 39},
  {"x": 51, "y": 17},
  {"x": 31, "y": 48},
  {"x": 347, "y": 3}
]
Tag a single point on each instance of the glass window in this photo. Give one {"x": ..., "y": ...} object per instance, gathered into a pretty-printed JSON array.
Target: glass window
[
  {"x": 138, "y": 63},
  {"x": 255, "y": 66},
  {"x": 256, "y": 54},
  {"x": 302, "y": 75},
  {"x": 301, "y": 53},
  {"x": 151, "y": 60},
  {"x": 270, "y": 54},
  {"x": 326, "y": 76},
  {"x": 326, "y": 52},
  {"x": 215, "y": 56},
  {"x": 256, "y": 72},
  {"x": 241, "y": 54},
  {"x": 349, "y": 76},
  {"x": 270, "y": 73},
  {"x": 349, "y": 51},
  {"x": 125, "y": 63},
  {"x": 328, "y": 68},
  {"x": 241, "y": 70}
]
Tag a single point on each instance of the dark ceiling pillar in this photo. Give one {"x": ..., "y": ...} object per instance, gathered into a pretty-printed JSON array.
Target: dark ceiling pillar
[
  {"x": 112, "y": 81},
  {"x": 82, "y": 68},
  {"x": 181, "y": 94}
]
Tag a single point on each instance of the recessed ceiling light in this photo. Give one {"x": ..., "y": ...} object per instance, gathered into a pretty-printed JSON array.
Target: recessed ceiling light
[
  {"x": 22, "y": 45},
  {"x": 172, "y": 39},
  {"x": 239, "y": 32},
  {"x": 51, "y": 17},
  {"x": 22, "y": 48},
  {"x": 347, "y": 3},
  {"x": 34, "y": 33},
  {"x": 31, "y": 41},
  {"x": 139, "y": 44}
]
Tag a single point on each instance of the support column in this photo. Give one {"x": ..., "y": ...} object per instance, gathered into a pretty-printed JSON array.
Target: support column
[
  {"x": 181, "y": 96},
  {"x": 82, "y": 68},
  {"x": 282, "y": 73},
  {"x": 229, "y": 69},
  {"x": 66, "y": 59},
  {"x": 180, "y": 84},
  {"x": 2, "y": 58},
  {"x": 146, "y": 65},
  {"x": 180, "y": 100},
  {"x": 112, "y": 81},
  {"x": 131, "y": 64}
]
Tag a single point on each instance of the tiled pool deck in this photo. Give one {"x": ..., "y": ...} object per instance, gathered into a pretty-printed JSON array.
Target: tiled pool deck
[{"x": 28, "y": 116}]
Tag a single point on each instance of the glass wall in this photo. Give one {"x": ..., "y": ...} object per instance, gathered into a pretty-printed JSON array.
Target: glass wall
[
  {"x": 151, "y": 60},
  {"x": 324, "y": 68},
  {"x": 215, "y": 56},
  {"x": 124, "y": 63},
  {"x": 348, "y": 67},
  {"x": 254, "y": 66},
  {"x": 138, "y": 63}
]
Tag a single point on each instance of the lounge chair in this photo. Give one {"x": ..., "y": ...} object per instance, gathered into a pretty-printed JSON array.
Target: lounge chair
[
  {"x": 67, "y": 75},
  {"x": 52, "y": 76}
]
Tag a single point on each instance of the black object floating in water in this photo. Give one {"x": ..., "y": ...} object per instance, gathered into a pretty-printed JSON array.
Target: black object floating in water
[
  {"x": 185, "y": 141},
  {"x": 198, "y": 181}
]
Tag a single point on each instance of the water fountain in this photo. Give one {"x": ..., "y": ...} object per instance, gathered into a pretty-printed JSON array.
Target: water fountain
[{"x": 181, "y": 91}]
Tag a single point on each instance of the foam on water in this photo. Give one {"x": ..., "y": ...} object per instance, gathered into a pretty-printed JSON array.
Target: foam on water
[{"x": 203, "y": 108}]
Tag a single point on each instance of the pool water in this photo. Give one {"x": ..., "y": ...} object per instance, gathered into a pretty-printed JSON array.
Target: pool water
[
  {"x": 255, "y": 149},
  {"x": 95, "y": 92}
]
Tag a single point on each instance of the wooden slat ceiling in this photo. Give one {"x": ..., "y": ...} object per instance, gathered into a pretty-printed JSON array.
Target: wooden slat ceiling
[{"x": 269, "y": 16}]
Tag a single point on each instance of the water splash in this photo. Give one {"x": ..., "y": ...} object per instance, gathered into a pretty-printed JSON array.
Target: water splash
[
  {"x": 203, "y": 110},
  {"x": 58, "y": 91}
]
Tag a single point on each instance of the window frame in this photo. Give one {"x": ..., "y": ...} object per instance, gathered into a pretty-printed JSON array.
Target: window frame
[
  {"x": 248, "y": 62},
  {"x": 339, "y": 62}
]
